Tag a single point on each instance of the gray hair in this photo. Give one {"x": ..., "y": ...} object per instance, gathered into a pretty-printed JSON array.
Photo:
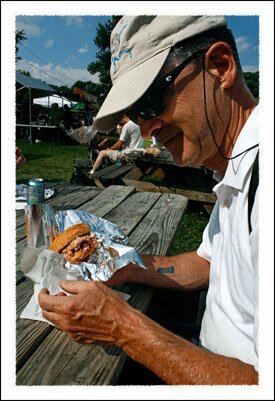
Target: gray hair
[{"x": 204, "y": 41}]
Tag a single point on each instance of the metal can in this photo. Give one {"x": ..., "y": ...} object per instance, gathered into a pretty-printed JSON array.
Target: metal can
[{"x": 35, "y": 191}]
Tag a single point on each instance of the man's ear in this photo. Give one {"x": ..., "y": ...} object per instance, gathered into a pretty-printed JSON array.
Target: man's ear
[{"x": 220, "y": 61}]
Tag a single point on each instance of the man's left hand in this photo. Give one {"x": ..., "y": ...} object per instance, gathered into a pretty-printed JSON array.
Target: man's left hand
[{"x": 92, "y": 314}]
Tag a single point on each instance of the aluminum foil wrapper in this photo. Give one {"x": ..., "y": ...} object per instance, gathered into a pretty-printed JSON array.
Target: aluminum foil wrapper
[{"x": 112, "y": 254}]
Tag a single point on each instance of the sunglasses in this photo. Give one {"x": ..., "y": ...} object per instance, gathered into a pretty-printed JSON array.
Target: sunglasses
[{"x": 152, "y": 103}]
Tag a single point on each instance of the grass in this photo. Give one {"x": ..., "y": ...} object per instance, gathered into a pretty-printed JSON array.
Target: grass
[
  {"x": 189, "y": 233},
  {"x": 47, "y": 160},
  {"x": 54, "y": 163}
]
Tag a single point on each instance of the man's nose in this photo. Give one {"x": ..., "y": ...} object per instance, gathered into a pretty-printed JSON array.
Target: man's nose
[{"x": 147, "y": 127}]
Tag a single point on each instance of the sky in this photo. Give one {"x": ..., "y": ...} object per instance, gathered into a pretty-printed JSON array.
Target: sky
[{"x": 58, "y": 49}]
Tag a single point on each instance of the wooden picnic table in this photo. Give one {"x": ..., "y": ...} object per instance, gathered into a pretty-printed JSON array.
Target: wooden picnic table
[
  {"x": 47, "y": 356},
  {"x": 195, "y": 183}
]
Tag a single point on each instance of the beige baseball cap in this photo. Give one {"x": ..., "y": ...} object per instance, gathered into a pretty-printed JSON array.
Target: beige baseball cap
[{"x": 139, "y": 48}]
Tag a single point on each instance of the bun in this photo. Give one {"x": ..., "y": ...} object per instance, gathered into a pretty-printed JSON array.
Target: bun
[
  {"x": 76, "y": 243},
  {"x": 68, "y": 235}
]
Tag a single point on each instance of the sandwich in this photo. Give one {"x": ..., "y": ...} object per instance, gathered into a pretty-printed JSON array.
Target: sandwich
[{"x": 76, "y": 243}]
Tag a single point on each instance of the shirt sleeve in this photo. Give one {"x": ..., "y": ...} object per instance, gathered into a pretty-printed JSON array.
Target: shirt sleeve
[{"x": 125, "y": 133}]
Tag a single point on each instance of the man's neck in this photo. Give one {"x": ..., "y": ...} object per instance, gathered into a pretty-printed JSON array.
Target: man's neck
[{"x": 240, "y": 113}]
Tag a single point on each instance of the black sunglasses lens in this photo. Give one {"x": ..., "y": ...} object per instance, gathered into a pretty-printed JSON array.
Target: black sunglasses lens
[{"x": 147, "y": 107}]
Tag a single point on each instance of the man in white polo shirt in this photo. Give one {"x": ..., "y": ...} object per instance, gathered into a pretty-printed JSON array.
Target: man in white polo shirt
[{"x": 180, "y": 76}]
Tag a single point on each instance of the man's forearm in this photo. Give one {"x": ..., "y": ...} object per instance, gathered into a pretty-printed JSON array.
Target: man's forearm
[
  {"x": 187, "y": 271},
  {"x": 117, "y": 145},
  {"x": 175, "y": 360}
]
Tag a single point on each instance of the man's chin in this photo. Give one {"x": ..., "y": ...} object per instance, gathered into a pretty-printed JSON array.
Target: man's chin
[
  {"x": 179, "y": 158},
  {"x": 175, "y": 147}
]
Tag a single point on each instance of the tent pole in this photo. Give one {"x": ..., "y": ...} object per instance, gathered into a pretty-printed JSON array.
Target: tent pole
[{"x": 30, "y": 114}]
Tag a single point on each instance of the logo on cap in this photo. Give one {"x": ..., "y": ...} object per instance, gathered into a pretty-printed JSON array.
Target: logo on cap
[{"x": 119, "y": 51}]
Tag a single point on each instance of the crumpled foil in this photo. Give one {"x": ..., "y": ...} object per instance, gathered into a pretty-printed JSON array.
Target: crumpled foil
[{"x": 112, "y": 254}]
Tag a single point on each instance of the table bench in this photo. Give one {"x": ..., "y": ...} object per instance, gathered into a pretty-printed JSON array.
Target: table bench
[
  {"x": 104, "y": 177},
  {"x": 111, "y": 174}
]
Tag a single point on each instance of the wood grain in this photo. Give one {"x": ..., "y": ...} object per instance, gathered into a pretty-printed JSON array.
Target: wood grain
[
  {"x": 107, "y": 200},
  {"x": 130, "y": 213},
  {"x": 191, "y": 195},
  {"x": 155, "y": 233}
]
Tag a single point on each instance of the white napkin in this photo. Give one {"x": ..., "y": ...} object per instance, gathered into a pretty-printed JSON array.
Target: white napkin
[{"x": 46, "y": 269}]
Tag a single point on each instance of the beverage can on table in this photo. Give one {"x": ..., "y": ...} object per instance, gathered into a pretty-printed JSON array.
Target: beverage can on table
[{"x": 36, "y": 191}]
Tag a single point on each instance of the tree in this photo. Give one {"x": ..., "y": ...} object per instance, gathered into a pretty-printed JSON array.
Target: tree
[
  {"x": 25, "y": 73},
  {"x": 252, "y": 81},
  {"x": 103, "y": 59},
  {"x": 19, "y": 37}
]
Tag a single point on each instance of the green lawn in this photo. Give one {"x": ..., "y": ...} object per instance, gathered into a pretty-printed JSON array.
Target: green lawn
[{"x": 54, "y": 163}]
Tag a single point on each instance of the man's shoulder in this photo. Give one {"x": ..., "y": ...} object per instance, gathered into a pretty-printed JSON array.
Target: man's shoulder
[{"x": 132, "y": 125}]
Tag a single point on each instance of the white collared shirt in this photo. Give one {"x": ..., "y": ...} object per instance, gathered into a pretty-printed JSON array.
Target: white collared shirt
[{"x": 230, "y": 321}]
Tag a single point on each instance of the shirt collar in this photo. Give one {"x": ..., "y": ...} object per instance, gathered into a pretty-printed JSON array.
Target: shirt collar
[{"x": 237, "y": 168}]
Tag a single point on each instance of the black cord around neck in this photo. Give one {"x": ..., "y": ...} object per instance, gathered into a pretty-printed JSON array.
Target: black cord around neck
[{"x": 209, "y": 125}]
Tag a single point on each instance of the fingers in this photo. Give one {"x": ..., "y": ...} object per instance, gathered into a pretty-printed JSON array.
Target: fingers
[
  {"x": 53, "y": 302},
  {"x": 52, "y": 317},
  {"x": 44, "y": 291},
  {"x": 73, "y": 287}
]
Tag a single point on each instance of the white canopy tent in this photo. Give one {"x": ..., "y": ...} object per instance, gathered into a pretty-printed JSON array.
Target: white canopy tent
[{"x": 47, "y": 101}]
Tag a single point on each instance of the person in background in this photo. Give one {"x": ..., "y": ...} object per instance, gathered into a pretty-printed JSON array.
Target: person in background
[
  {"x": 129, "y": 137},
  {"x": 191, "y": 95},
  {"x": 67, "y": 117},
  {"x": 55, "y": 119},
  {"x": 89, "y": 115},
  {"x": 19, "y": 158},
  {"x": 55, "y": 115}
]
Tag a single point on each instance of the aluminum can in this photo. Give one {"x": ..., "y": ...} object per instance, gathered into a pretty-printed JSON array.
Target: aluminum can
[{"x": 35, "y": 191}]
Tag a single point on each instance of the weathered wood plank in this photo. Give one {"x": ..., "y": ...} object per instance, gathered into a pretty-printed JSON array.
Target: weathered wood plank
[
  {"x": 28, "y": 335},
  {"x": 75, "y": 199},
  {"x": 191, "y": 195},
  {"x": 24, "y": 292},
  {"x": 134, "y": 174},
  {"x": 117, "y": 173},
  {"x": 19, "y": 276},
  {"x": 64, "y": 362},
  {"x": 109, "y": 175},
  {"x": 129, "y": 214},
  {"x": 107, "y": 200},
  {"x": 155, "y": 233},
  {"x": 104, "y": 171}
]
